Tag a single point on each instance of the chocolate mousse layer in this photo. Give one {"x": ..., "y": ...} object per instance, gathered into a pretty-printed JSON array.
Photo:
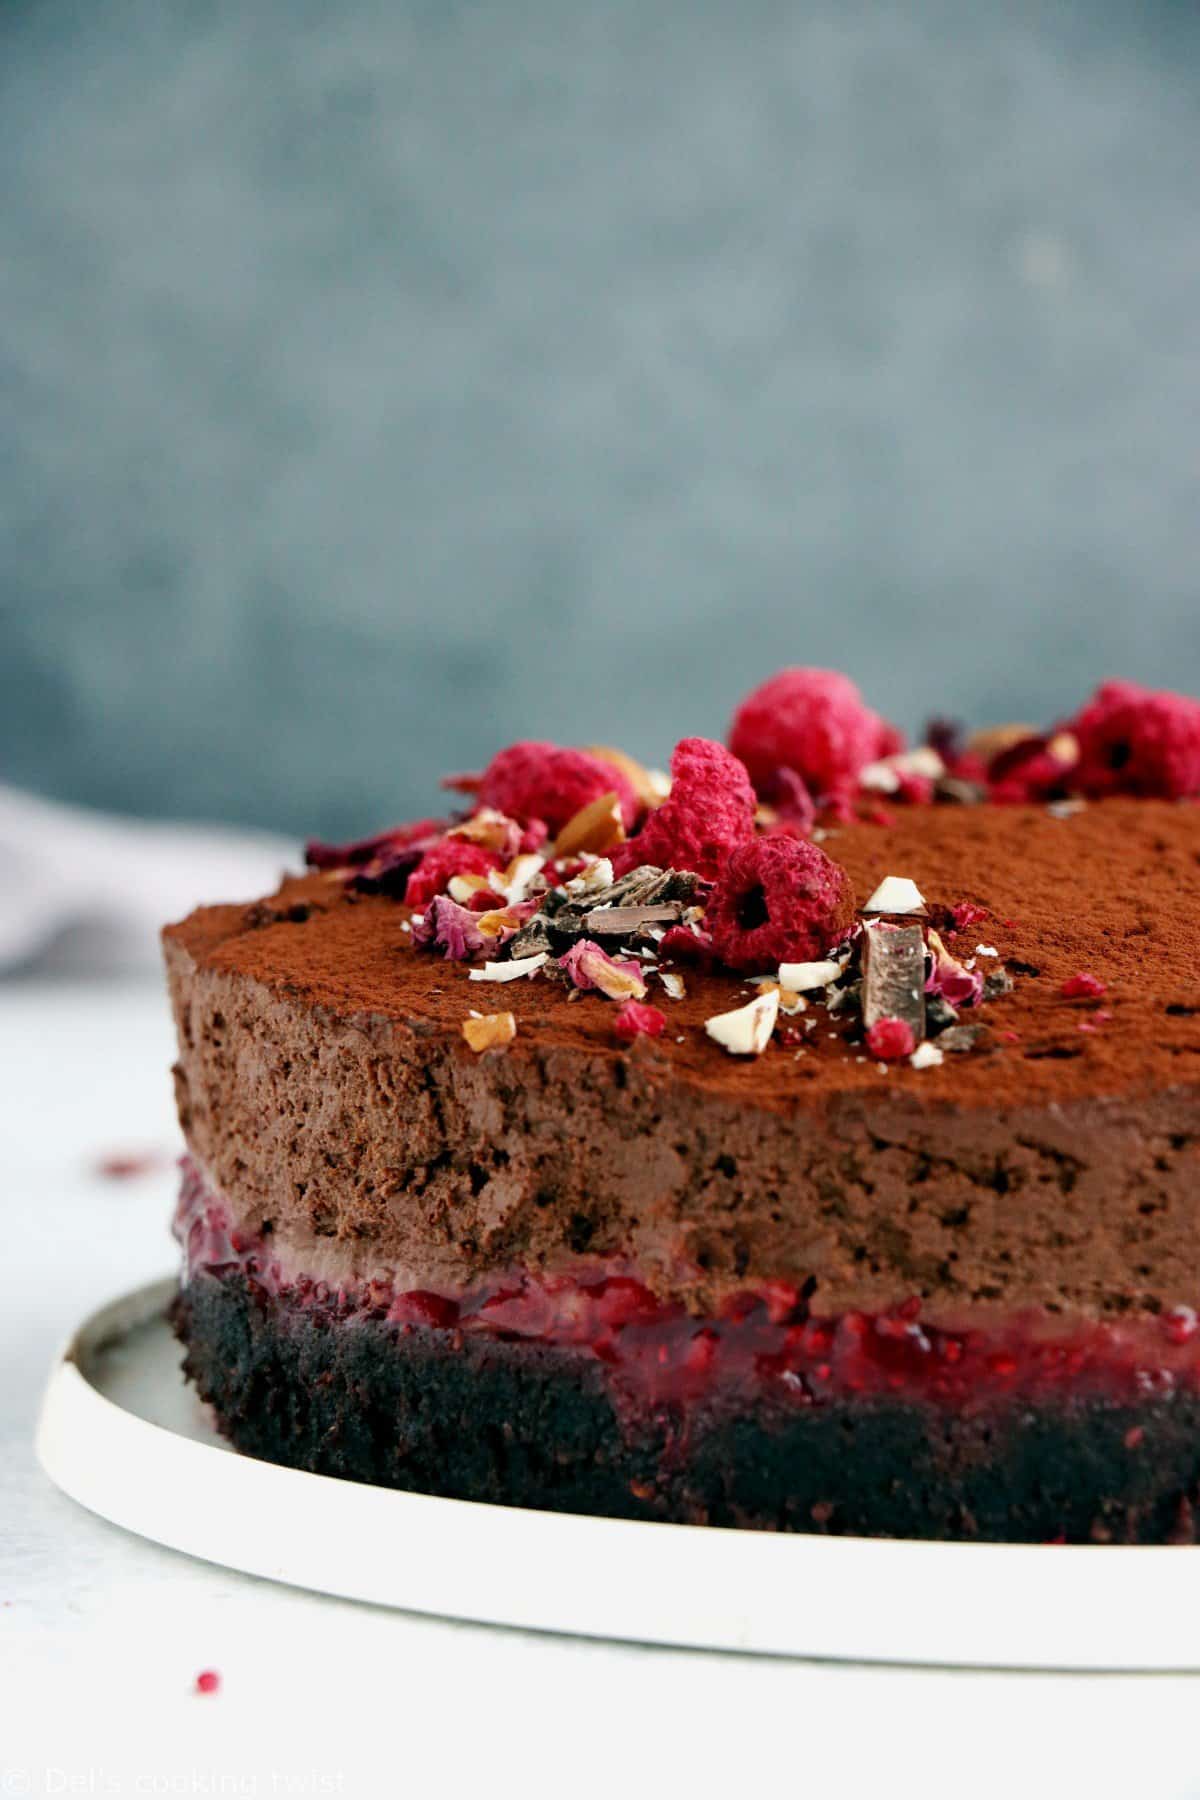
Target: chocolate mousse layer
[{"x": 326, "y": 1090}]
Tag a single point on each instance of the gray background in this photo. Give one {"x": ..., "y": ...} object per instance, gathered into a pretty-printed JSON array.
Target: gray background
[{"x": 381, "y": 381}]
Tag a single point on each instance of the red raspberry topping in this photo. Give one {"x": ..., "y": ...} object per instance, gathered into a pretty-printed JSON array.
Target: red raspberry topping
[
  {"x": 634, "y": 1019},
  {"x": 1030, "y": 771},
  {"x": 453, "y": 856},
  {"x": 780, "y": 899},
  {"x": 543, "y": 781},
  {"x": 709, "y": 812},
  {"x": 968, "y": 912},
  {"x": 1083, "y": 986},
  {"x": 1135, "y": 741},
  {"x": 679, "y": 943},
  {"x": 207, "y": 1681},
  {"x": 891, "y": 1040},
  {"x": 813, "y": 721}
]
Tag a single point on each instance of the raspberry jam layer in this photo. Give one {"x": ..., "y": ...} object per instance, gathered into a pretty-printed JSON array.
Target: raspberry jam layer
[{"x": 764, "y": 1343}]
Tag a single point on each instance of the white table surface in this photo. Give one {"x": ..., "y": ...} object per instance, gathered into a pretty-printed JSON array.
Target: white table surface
[{"x": 102, "y": 1634}]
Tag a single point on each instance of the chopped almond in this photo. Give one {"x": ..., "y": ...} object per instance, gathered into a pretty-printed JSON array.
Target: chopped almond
[
  {"x": 488, "y": 828},
  {"x": 463, "y": 887},
  {"x": 489, "y": 1031},
  {"x": 500, "y": 919},
  {"x": 747, "y": 1030},
  {"x": 645, "y": 785},
  {"x": 595, "y": 828},
  {"x": 993, "y": 739}
]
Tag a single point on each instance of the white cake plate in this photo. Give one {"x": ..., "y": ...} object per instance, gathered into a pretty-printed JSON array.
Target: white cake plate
[{"x": 122, "y": 1434}]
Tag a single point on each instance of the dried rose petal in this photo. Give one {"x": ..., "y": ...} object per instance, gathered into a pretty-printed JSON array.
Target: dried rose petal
[
  {"x": 957, "y": 985},
  {"x": 451, "y": 927},
  {"x": 367, "y": 850},
  {"x": 589, "y": 966}
]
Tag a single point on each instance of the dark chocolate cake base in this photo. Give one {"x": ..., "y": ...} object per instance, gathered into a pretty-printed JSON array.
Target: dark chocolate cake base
[{"x": 527, "y": 1424}]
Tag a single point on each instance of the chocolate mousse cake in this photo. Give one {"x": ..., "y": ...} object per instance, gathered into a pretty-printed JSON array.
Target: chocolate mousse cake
[{"x": 809, "y": 1140}]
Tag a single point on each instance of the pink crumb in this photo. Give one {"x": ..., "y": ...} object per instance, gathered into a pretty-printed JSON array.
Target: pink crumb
[
  {"x": 1083, "y": 986},
  {"x": 891, "y": 1039},
  {"x": 207, "y": 1681}
]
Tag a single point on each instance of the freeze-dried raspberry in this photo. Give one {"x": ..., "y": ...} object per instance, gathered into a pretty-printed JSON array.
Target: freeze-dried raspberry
[
  {"x": 544, "y": 781},
  {"x": 814, "y": 721},
  {"x": 679, "y": 943},
  {"x": 710, "y": 810},
  {"x": 453, "y": 856},
  {"x": 633, "y": 1019},
  {"x": 891, "y": 1039},
  {"x": 780, "y": 899},
  {"x": 1136, "y": 741},
  {"x": 1084, "y": 986},
  {"x": 1032, "y": 770}
]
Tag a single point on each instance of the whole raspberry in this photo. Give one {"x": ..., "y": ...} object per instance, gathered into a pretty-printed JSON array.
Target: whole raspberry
[
  {"x": 780, "y": 899},
  {"x": 453, "y": 856},
  {"x": 891, "y": 1039},
  {"x": 709, "y": 812},
  {"x": 1133, "y": 740},
  {"x": 813, "y": 721},
  {"x": 543, "y": 781}
]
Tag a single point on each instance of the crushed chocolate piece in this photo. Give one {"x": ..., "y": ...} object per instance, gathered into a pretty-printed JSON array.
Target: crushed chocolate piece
[
  {"x": 894, "y": 976},
  {"x": 956, "y": 790},
  {"x": 533, "y": 939},
  {"x": 997, "y": 983},
  {"x": 940, "y": 1016},
  {"x": 627, "y": 921},
  {"x": 960, "y": 1037}
]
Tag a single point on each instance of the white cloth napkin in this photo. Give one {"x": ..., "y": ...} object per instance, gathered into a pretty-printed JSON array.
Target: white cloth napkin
[{"x": 91, "y": 891}]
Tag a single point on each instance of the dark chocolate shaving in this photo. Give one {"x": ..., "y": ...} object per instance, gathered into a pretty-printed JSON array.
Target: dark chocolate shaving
[
  {"x": 894, "y": 975},
  {"x": 644, "y": 899},
  {"x": 940, "y": 1016},
  {"x": 627, "y": 921},
  {"x": 954, "y": 790},
  {"x": 961, "y": 1037}
]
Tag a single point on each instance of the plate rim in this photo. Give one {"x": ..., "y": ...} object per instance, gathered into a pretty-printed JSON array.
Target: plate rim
[{"x": 915, "y": 1602}]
